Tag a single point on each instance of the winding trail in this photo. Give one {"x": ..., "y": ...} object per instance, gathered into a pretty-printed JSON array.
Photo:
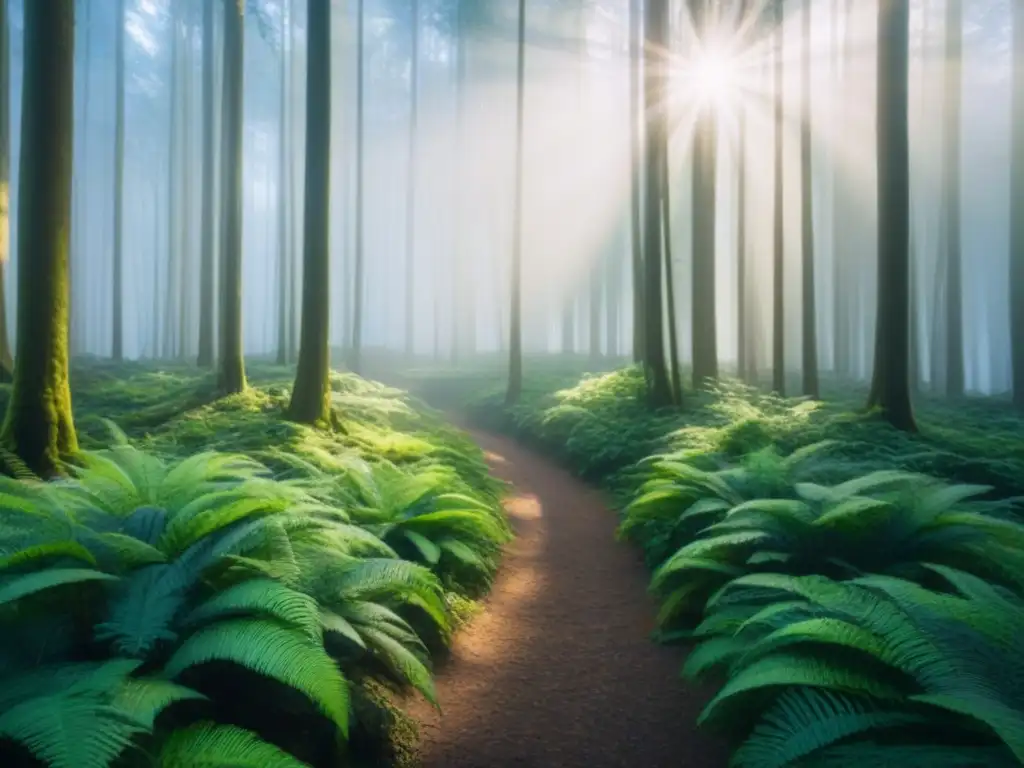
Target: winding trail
[{"x": 559, "y": 670}]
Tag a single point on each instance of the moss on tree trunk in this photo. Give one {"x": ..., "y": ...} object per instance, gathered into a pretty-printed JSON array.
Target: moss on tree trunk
[{"x": 38, "y": 426}]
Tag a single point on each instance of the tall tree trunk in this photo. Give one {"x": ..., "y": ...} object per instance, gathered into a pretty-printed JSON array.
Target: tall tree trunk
[
  {"x": 809, "y": 306},
  {"x": 79, "y": 228},
  {"x": 232, "y": 364},
  {"x": 357, "y": 301},
  {"x": 171, "y": 293},
  {"x": 703, "y": 330},
  {"x": 515, "y": 346},
  {"x": 636, "y": 243},
  {"x": 155, "y": 311},
  {"x": 655, "y": 77},
  {"x": 1017, "y": 216},
  {"x": 117, "y": 298},
  {"x": 185, "y": 297},
  {"x": 670, "y": 289},
  {"x": 951, "y": 194},
  {"x": 294, "y": 230},
  {"x": 890, "y": 384},
  {"x": 410, "y": 182},
  {"x": 311, "y": 395},
  {"x": 38, "y": 426},
  {"x": 284, "y": 159},
  {"x": 779, "y": 251},
  {"x": 206, "y": 266},
  {"x": 6, "y": 361}
]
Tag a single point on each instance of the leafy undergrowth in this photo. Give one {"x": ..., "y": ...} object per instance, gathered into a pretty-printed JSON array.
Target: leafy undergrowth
[
  {"x": 857, "y": 593},
  {"x": 216, "y": 585}
]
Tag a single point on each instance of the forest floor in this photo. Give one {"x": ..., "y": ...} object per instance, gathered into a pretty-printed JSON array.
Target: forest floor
[{"x": 559, "y": 670}]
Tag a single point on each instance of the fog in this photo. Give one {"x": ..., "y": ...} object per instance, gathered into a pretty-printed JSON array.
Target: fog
[{"x": 576, "y": 242}]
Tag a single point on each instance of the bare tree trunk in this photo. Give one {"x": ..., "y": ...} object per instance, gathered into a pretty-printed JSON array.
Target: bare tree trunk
[
  {"x": 809, "y": 306},
  {"x": 410, "y": 198},
  {"x": 890, "y": 385},
  {"x": 779, "y": 253},
  {"x": 515, "y": 346},
  {"x": 951, "y": 192}
]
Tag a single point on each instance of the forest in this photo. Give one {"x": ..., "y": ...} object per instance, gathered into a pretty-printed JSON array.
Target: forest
[{"x": 486, "y": 383}]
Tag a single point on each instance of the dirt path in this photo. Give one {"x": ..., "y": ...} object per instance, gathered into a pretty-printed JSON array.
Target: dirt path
[{"x": 559, "y": 671}]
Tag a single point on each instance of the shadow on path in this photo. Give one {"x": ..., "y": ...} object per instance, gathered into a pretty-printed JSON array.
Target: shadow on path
[{"x": 559, "y": 671}]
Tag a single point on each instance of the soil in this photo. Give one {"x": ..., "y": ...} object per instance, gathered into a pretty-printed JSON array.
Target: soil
[{"x": 559, "y": 671}]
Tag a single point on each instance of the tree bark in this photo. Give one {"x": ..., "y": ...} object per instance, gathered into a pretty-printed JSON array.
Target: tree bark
[
  {"x": 206, "y": 266},
  {"x": 890, "y": 385},
  {"x": 38, "y": 426},
  {"x": 515, "y": 346},
  {"x": 779, "y": 253},
  {"x": 636, "y": 230},
  {"x": 1017, "y": 217},
  {"x": 659, "y": 390},
  {"x": 283, "y": 241},
  {"x": 6, "y": 360},
  {"x": 951, "y": 193},
  {"x": 410, "y": 184},
  {"x": 311, "y": 395},
  {"x": 357, "y": 290},
  {"x": 703, "y": 331},
  {"x": 232, "y": 364},
  {"x": 809, "y": 307}
]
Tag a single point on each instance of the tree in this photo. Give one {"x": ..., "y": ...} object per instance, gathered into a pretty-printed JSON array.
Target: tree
[
  {"x": 779, "y": 252},
  {"x": 951, "y": 202},
  {"x": 515, "y": 346},
  {"x": 809, "y": 310},
  {"x": 232, "y": 365},
  {"x": 659, "y": 390},
  {"x": 311, "y": 396},
  {"x": 890, "y": 384},
  {"x": 636, "y": 243},
  {"x": 705, "y": 151},
  {"x": 284, "y": 159},
  {"x": 38, "y": 426},
  {"x": 6, "y": 361},
  {"x": 206, "y": 263},
  {"x": 410, "y": 182},
  {"x": 741, "y": 225},
  {"x": 1017, "y": 215},
  {"x": 117, "y": 298},
  {"x": 357, "y": 289}
]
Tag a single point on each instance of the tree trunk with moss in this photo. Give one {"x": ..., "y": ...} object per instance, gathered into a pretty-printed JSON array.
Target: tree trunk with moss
[
  {"x": 890, "y": 383},
  {"x": 231, "y": 377},
  {"x": 38, "y": 426},
  {"x": 311, "y": 396}
]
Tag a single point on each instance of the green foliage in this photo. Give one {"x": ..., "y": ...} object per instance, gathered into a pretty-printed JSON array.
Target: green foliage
[
  {"x": 248, "y": 607},
  {"x": 857, "y": 592}
]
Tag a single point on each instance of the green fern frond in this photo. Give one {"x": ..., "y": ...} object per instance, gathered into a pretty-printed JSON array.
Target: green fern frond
[
  {"x": 209, "y": 745},
  {"x": 272, "y": 650}
]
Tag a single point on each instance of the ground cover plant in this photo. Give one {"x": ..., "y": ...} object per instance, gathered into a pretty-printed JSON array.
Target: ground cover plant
[
  {"x": 210, "y": 558},
  {"x": 854, "y": 590}
]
